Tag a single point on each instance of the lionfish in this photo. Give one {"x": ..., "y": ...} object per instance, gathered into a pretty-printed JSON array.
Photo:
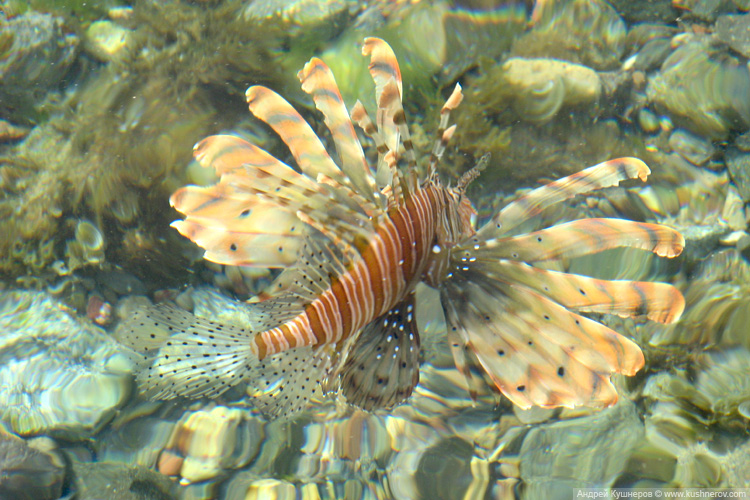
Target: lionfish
[{"x": 354, "y": 242}]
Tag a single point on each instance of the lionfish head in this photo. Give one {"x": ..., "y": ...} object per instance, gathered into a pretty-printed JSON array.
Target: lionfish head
[{"x": 461, "y": 213}]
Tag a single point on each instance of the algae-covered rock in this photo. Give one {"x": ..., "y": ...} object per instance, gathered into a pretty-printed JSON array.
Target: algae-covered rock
[
  {"x": 36, "y": 51},
  {"x": 711, "y": 105},
  {"x": 114, "y": 147},
  {"x": 539, "y": 88},
  {"x": 588, "y": 32}
]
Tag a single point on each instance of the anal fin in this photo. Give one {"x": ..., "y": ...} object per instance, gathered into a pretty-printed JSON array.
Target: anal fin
[
  {"x": 283, "y": 384},
  {"x": 381, "y": 368}
]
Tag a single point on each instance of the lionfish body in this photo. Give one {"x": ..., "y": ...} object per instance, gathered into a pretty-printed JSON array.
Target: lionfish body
[{"x": 354, "y": 242}]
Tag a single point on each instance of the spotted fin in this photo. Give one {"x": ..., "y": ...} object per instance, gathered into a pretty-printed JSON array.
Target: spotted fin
[
  {"x": 382, "y": 365},
  {"x": 238, "y": 231},
  {"x": 183, "y": 355},
  {"x": 535, "y": 351},
  {"x": 580, "y": 237},
  {"x": 607, "y": 174},
  {"x": 285, "y": 382},
  {"x": 638, "y": 299}
]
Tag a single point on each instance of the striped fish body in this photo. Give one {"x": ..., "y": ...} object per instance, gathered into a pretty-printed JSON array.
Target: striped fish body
[
  {"x": 407, "y": 247},
  {"x": 354, "y": 242}
]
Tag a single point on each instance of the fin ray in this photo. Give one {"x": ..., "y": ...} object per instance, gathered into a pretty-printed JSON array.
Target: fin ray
[
  {"x": 603, "y": 175},
  {"x": 659, "y": 302},
  {"x": 582, "y": 237},
  {"x": 283, "y": 383},
  {"x": 318, "y": 81},
  {"x": 309, "y": 153}
]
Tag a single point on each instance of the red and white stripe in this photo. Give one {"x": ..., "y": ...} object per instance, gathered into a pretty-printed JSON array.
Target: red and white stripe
[{"x": 389, "y": 267}]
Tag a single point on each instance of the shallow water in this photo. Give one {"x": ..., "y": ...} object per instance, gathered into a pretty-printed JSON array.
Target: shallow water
[{"x": 100, "y": 107}]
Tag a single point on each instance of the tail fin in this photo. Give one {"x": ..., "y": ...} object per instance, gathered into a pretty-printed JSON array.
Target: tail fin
[{"x": 183, "y": 355}]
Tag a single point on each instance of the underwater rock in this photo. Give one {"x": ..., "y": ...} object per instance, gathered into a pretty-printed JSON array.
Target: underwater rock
[
  {"x": 711, "y": 105},
  {"x": 86, "y": 248},
  {"x": 249, "y": 486},
  {"x": 691, "y": 425},
  {"x": 10, "y": 132},
  {"x": 63, "y": 377},
  {"x": 119, "y": 283},
  {"x": 98, "y": 310},
  {"x": 717, "y": 307},
  {"x": 29, "y": 470},
  {"x": 646, "y": 11},
  {"x": 586, "y": 452},
  {"x": 738, "y": 164},
  {"x": 539, "y": 88},
  {"x": 437, "y": 40},
  {"x": 35, "y": 53},
  {"x": 724, "y": 381},
  {"x": 734, "y": 30},
  {"x": 649, "y": 45},
  {"x": 210, "y": 442},
  {"x": 695, "y": 149},
  {"x": 705, "y": 10},
  {"x": 316, "y": 19},
  {"x": 648, "y": 120},
  {"x": 110, "y": 481},
  {"x": 338, "y": 447},
  {"x": 109, "y": 42}
]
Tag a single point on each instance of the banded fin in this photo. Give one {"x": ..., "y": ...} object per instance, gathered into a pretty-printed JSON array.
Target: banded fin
[
  {"x": 659, "y": 302},
  {"x": 390, "y": 105},
  {"x": 309, "y": 153},
  {"x": 296, "y": 193},
  {"x": 606, "y": 174},
  {"x": 383, "y": 64},
  {"x": 381, "y": 368},
  {"x": 386, "y": 74},
  {"x": 384, "y": 69},
  {"x": 363, "y": 120},
  {"x": 318, "y": 81},
  {"x": 535, "y": 351},
  {"x": 444, "y": 132},
  {"x": 232, "y": 205},
  {"x": 283, "y": 384},
  {"x": 581, "y": 237},
  {"x": 226, "y": 153},
  {"x": 183, "y": 355}
]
